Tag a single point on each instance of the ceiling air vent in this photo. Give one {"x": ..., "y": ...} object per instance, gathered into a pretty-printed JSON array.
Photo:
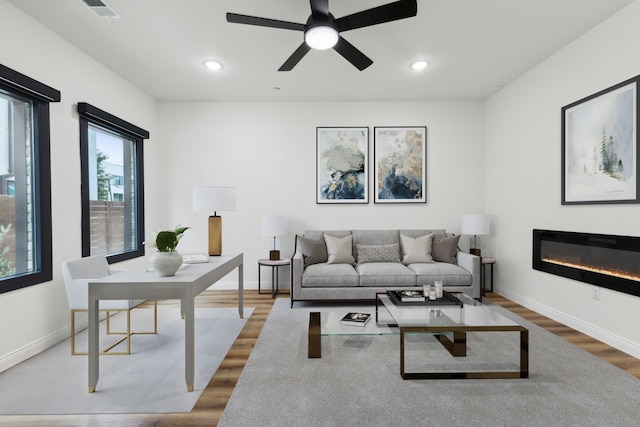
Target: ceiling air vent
[{"x": 101, "y": 8}]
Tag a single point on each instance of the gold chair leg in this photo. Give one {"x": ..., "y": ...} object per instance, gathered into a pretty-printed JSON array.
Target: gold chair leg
[{"x": 127, "y": 334}]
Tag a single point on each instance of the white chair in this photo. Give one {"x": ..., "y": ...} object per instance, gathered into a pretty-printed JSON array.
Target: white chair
[{"x": 77, "y": 275}]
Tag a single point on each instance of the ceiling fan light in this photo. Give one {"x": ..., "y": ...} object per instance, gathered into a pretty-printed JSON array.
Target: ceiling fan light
[
  {"x": 212, "y": 65},
  {"x": 321, "y": 37},
  {"x": 419, "y": 65}
]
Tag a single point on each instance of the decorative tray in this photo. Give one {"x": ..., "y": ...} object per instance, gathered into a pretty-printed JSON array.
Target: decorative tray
[{"x": 447, "y": 299}]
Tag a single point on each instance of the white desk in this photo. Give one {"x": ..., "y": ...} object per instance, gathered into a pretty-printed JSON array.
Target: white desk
[{"x": 139, "y": 283}]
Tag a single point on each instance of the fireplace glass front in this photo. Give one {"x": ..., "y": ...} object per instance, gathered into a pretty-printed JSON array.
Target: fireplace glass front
[{"x": 604, "y": 260}]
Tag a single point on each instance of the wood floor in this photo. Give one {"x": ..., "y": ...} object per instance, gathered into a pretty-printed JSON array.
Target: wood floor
[{"x": 210, "y": 406}]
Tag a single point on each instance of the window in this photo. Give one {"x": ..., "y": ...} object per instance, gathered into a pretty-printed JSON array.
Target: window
[
  {"x": 112, "y": 185},
  {"x": 25, "y": 180}
]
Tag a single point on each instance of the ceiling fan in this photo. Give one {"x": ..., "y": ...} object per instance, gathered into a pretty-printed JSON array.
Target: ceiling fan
[{"x": 322, "y": 30}]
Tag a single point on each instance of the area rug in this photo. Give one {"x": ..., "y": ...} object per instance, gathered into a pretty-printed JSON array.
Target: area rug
[
  {"x": 357, "y": 381},
  {"x": 150, "y": 380}
]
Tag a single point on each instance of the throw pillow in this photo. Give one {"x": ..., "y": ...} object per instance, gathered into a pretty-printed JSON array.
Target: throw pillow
[
  {"x": 416, "y": 250},
  {"x": 339, "y": 250},
  {"x": 314, "y": 251},
  {"x": 378, "y": 253},
  {"x": 445, "y": 249}
]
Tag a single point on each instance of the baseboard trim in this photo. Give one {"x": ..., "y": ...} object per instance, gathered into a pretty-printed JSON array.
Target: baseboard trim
[
  {"x": 9, "y": 360},
  {"x": 577, "y": 324}
]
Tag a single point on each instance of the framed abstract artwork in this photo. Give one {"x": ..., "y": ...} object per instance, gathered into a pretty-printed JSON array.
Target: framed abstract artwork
[
  {"x": 342, "y": 159},
  {"x": 600, "y": 147},
  {"x": 400, "y": 158}
]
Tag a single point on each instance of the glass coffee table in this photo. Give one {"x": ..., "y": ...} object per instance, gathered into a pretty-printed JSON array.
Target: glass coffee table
[{"x": 448, "y": 323}]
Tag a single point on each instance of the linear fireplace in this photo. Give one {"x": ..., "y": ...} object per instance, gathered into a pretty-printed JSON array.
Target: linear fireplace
[{"x": 600, "y": 259}]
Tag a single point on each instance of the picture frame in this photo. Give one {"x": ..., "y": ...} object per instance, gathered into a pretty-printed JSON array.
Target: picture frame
[
  {"x": 600, "y": 147},
  {"x": 342, "y": 165},
  {"x": 400, "y": 164}
]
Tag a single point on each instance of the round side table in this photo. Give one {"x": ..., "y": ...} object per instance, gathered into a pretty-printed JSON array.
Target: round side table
[{"x": 275, "y": 267}]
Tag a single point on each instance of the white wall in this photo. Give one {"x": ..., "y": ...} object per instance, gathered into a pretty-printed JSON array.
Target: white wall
[
  {"x": 268, "y": 151},
  {"x": 523, "y": 180},
  {"x": 35, "y": 317}
]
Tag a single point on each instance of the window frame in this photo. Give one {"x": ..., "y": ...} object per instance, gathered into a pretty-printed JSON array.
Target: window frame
[
  {"x": 91, "y": 115},
  {"x": 40, "y": 95}
]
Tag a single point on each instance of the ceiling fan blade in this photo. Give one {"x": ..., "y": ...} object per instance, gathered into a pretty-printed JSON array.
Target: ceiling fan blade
[
  {"x": 378, "y": 15},
  {"x": 352, "y": 54},
  {"x": 320, "y": 9},
  {"x": 263, "y": 22},
  {"x": 295, "y": 57}
]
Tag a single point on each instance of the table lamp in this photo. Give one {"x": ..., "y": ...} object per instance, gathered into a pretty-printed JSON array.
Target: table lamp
[
  {"x": 475, "y": 225},
  {"x": 275, "y": 225},
  {"x": 216, "y": 199}
]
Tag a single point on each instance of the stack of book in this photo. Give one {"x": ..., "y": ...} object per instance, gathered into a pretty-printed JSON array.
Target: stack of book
[{"x": 355, "y": 319}]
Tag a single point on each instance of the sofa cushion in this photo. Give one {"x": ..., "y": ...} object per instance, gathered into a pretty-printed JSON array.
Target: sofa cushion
[
  {"x": 378, "y": 253},
  {"x": 386, "y": 274},
  {"x": 450, "y": 274},
  {"x": 416, "y": 249},
  {"x": 339, "y": 250},
  {"x": 329, "y": 276},
  {"x": 445, "y": 249},
  {"x": 374, "y": 237},
  {"x": 313, "y": 250}
]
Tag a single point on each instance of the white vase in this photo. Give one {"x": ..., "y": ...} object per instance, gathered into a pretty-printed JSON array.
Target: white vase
[{"x": 166, "y": 264}]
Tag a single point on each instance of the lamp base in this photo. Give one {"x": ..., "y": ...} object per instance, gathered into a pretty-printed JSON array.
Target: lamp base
[
  {"x": 215, "y": 235},
  {"x": 274, "y": 255},
  {"x": 475, "y": 251}
]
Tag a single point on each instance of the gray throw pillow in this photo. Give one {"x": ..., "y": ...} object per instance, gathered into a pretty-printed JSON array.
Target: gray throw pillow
[
  {"x": 378, "y": 253},
  {"x": 314, "y": 251},
  {"x": 339, "y": 249},
  {"x": 416, "y": 250},
  {"x": 445, "y": 249}
]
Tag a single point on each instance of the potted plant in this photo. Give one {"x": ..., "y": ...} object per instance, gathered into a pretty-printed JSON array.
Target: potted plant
[{"x": 167, "y": 260}]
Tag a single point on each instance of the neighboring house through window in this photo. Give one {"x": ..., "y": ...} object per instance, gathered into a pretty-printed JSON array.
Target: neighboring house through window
[
  {"x": 112, "y": 185},
  {"x": 25, "y": 181}
]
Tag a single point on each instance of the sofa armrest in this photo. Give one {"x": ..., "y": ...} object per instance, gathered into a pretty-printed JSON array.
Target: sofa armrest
[
  {"x": 471, "y": 263},
  {"x": 297, "y": 267}
]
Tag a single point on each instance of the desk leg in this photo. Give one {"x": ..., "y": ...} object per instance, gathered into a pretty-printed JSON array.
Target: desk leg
[
  {"x": 240, "y": 291},
  {"x": 94, "y": 368},
  {"x": 189, "y": 339}
]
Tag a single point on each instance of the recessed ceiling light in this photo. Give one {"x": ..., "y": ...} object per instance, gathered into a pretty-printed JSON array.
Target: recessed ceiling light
[
  {"x": 212, "y": 65},
  {"x": 419, "y": 65}
]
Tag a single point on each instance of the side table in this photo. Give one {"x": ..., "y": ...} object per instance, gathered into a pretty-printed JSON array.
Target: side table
[
  {"x": 483, "y": 264},
  {"x": 275, "y": 267}
]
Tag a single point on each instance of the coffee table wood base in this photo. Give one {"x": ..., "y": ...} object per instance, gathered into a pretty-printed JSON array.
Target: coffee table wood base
[{"x": 461, "y": 346}]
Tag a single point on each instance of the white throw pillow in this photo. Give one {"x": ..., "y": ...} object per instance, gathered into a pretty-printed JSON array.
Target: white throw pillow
[
  {"x": 416, "y": 250},
  {"x": 339, "y": 250}
]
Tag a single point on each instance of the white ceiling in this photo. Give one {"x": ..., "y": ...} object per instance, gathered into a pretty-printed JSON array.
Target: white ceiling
[{"x": 474, "y": 46}]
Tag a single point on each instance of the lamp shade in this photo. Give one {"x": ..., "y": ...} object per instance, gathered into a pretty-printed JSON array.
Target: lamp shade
[
  {"x": 275, "y": 225},
  {"x": 475, "y": 224},
  {"x": 214, "y": 199}
]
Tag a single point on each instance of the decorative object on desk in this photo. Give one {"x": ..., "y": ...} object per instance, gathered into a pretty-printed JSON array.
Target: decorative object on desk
[
  {"x": 167, "y": 260},
  {"x": 342, "y": 159},
  {"x": 400, "y": 155},
  {"x": 275, "y": 225},
  {"x": 476, "y": 225},
  {"x": 216, "y": 199},
  {"x": 355, "y": 319}
]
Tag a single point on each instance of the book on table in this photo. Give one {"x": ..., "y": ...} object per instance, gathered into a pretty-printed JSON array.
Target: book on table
[
  {"x": 355, "y": 319},
  {"x": 410, "y": 296}
]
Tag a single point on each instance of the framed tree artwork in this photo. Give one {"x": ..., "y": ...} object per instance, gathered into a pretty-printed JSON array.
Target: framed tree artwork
[
  {"x": 342, "y": 159},
  {"x": 600, "y": 147},
  {"x": 400, "y": 155}
]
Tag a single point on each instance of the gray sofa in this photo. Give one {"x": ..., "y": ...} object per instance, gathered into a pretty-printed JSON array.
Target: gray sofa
[{"x": 332, "y": 265}]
